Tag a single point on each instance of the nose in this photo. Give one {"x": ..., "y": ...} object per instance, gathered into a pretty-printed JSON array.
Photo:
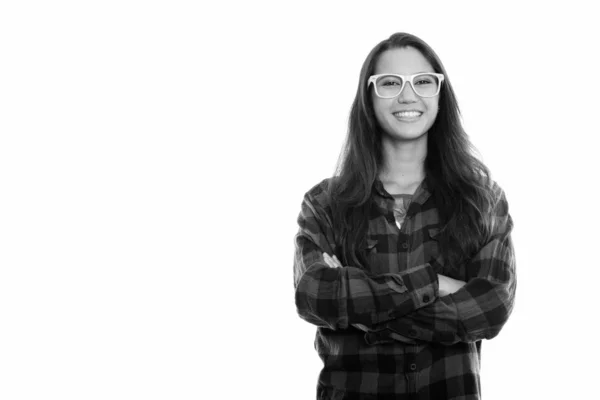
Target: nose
[{"x": 407, "y": 95}]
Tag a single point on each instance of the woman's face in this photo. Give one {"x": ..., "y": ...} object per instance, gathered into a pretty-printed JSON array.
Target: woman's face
[{"x": 407, "y": 116}]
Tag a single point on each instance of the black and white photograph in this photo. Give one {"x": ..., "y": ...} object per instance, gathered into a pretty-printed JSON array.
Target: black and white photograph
[{"x": 298, "y": 200}]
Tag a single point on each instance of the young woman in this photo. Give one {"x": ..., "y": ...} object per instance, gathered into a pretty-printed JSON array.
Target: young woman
[{"x": 404, "y": 259}]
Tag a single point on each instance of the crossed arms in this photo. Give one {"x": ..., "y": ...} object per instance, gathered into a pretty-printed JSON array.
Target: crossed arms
[{"x": 414, "y": 305}]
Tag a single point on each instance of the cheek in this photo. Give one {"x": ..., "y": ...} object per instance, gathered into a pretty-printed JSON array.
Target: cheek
[
  {"x": 380, "y": 108},
  {"x": 433, "y": 110}
]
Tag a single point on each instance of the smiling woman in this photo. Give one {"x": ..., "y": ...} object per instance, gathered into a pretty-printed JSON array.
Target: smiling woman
[
  {"x": 405, "y": 112},
  {"x": 404, "y": 260}
]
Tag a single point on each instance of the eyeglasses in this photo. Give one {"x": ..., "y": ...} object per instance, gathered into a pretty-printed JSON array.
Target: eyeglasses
[{"x": 388, "y": 86}]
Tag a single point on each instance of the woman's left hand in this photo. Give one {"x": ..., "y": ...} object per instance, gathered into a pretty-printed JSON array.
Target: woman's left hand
[{"x": 449, "y": 285}]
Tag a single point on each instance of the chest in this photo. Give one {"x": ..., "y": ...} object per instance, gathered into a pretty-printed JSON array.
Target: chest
[{"x": 392, "y": 249}]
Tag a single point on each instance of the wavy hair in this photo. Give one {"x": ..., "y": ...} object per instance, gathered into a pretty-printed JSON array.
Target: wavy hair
[{"x": 460, "y": 183}]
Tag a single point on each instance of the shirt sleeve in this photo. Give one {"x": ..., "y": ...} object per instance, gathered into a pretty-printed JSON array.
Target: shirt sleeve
[
  {"x": 336, "y": 298},
  {"x": 481, "y": 307}
]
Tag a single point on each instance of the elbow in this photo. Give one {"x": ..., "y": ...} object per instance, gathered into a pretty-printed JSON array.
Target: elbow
[
  {"x": 303, "y": 307},
  {"x": 302, "y": 304},
  {"x": 489, "y": 330},
  {"x": 498, "y": 317},
  {"x": 496, "y": 309},
  {"x": 493, "y": 332},
  {"x": 317, "y": 312}
]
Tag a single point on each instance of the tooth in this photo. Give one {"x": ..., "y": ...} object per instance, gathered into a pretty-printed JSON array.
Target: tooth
[{"x": 408, "y": 114}]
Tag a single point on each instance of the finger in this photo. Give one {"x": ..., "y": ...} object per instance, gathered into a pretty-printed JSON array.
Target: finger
[{"x": 330, "y": 263}]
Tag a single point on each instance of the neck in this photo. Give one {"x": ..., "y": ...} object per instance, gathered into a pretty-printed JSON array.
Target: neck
[{"x": 403, "y": 163}]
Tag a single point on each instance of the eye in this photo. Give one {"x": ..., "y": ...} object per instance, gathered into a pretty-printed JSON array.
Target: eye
[
  {"x": 389, "y": 81},
  {"x": 423, "y": 81}
]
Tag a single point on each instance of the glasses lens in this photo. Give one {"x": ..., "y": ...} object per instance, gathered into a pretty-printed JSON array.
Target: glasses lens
[
  {"x": 426, "y": 85},
  {"x": 388, "y": 86}
]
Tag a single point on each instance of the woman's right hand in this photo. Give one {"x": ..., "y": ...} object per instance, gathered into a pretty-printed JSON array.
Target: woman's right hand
[{"x": 332, "y": 262}]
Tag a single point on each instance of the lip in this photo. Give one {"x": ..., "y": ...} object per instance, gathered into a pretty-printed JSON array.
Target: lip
[{"x": 411, "y": 110}]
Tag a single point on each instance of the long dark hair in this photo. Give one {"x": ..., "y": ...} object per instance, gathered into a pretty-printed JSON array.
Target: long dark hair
[{"x": 460, "y": 183}]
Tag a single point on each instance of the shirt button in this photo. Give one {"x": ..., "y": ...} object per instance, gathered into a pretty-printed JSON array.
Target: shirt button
[
  {"x": 413, "y": 367},
  {"x": 370, "y": 338},
  {"x": 405, "y": 245},
  {"x": 426, "y": 299}
]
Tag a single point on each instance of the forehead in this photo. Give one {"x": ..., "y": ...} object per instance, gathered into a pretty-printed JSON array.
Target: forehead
[{"x": 403, "y": 61}]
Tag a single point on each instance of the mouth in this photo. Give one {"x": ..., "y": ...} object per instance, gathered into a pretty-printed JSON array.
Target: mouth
[{"x": 411, "y": 115}]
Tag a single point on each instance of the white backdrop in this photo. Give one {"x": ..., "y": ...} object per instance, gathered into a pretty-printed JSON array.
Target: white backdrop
[{"x": 153, "y": 157}]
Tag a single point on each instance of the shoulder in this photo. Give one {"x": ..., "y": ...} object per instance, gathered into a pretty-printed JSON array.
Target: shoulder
[
  {"x": 499, "y": 197},
  {"x": 493, "y": 194},
  {"x": 320, "y": 193},
  {"x": 501, "y": 220},
  {"x": 496, "y": 188},
  {"x": 315, "y": 219},
  {"x": 317, "y": 200}
]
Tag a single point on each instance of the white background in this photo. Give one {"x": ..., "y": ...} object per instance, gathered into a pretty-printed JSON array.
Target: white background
[{"x": 153, "y": 157}]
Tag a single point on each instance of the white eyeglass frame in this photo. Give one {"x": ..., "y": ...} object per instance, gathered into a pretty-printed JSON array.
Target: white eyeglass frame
[{"x": 405, "y": 78}]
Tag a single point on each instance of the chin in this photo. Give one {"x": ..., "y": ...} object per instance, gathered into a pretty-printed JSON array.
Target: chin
[{"x": 407, "y": 135}]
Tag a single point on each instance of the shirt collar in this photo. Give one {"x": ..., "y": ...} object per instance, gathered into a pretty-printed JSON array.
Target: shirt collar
[{"x": 420, "y": 196}]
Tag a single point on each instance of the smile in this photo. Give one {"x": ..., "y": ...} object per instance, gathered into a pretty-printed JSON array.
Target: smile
[{"x": 407, "y": 114}]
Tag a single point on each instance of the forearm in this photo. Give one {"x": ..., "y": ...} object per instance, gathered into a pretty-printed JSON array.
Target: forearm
[
  {"x": 475, "y": 312},
  {"x": 339, "y": 297}
]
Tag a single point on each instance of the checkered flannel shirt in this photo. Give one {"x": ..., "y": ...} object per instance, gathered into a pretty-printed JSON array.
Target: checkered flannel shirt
[{"x": 384, "y": 332}]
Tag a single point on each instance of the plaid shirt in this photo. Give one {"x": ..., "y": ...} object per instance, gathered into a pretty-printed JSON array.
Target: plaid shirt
[{"x": 383, "y": 331}]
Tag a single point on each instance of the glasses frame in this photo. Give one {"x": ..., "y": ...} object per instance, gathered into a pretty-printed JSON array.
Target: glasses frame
[{"x": 405, "y": 78}]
